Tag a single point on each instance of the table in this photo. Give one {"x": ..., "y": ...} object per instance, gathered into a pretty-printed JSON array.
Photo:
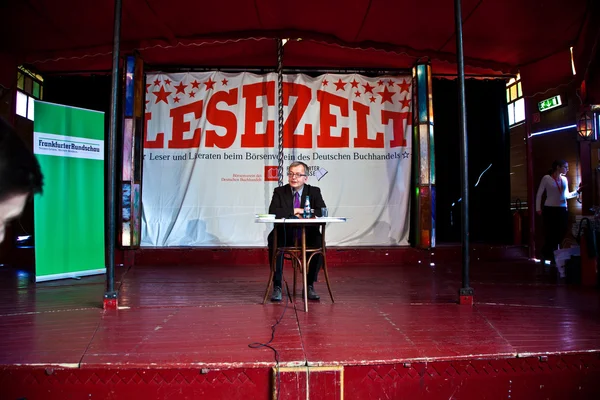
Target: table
[{"x": 303, "y": 223}]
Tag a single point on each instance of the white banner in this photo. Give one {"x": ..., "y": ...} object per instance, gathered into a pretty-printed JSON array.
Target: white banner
[{"x": 211, "y": 155}]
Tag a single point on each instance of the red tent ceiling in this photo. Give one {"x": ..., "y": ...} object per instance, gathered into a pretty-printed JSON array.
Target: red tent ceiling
[{"x": 499, "y": 36}]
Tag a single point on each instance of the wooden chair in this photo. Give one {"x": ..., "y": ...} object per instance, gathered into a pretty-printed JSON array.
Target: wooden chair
[{"x": 294, "y": 254}]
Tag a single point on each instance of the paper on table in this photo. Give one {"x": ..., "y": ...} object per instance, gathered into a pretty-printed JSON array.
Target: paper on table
[{"x": 266, "y": 216}]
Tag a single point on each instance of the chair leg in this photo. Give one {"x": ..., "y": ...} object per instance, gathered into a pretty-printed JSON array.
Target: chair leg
[
  {"x": 269, "y": 286},
  {"x": 294, "y": 267},
  {"x": 327, "y": 278},
  {"x": 273, "y": 265}
]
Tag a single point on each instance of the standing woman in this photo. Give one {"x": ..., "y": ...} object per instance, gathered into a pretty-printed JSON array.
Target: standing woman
[{"x": 554, "y": 214}]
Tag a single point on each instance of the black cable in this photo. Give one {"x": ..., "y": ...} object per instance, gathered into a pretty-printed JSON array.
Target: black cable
[{"x": 257, "y": 345}]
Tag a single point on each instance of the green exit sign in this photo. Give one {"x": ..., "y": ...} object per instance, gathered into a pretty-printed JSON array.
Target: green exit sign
[{"x": 550, "y": 103}]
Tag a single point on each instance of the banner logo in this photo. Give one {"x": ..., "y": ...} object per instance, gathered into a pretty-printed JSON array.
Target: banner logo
[
  {"x": 49, "y": 144},
  {"x": 317, "y": 172},
  {"x": 271, "y": 173}
]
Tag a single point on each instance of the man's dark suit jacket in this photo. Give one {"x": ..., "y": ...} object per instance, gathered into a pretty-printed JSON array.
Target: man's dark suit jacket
[{"x": 282, "y": 205}]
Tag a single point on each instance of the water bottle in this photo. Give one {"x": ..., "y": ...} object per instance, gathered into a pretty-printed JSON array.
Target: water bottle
[{"x": 307, "y": 208}]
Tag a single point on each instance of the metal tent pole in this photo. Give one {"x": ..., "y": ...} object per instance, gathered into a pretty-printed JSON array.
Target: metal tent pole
[
  {"x": 280, "y": 110},
  {"x": 466, "y": 292},
  {"x": 111, "y": 295}
]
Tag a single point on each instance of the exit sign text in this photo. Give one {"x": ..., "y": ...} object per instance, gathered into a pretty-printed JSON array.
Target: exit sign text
[{"x": 550, "y": 103}]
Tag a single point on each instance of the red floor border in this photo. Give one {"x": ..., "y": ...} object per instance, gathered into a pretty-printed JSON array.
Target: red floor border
[{"x": 566, "y": 376}]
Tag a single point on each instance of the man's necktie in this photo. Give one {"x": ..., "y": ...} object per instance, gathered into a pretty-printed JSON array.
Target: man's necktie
[{"x": 298, "y": 232}]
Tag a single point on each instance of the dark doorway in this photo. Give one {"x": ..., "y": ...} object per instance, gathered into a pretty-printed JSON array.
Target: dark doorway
[{"x": 488, "y": 154}]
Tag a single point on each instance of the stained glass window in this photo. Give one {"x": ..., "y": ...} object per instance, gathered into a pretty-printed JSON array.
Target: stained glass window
[{"x": 515, "y": 101}]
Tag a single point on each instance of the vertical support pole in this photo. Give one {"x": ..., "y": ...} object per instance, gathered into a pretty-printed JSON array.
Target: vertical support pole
[
  {"x": 466, "y": 292},
  {"x": 424, "y": 161},
  {"x": 280, "y": 110},
  {"x": 111, "y": 295},
  {"x": 530, "y": 183}
]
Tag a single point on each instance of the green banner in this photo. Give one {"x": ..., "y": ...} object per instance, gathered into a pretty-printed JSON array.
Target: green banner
[{"x": 69, "y": 215}]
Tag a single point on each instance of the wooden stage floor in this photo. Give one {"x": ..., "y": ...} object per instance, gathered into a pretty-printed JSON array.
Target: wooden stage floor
[{"x": 204, "y": 317}]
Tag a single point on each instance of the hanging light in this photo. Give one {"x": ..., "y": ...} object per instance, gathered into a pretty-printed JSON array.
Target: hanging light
[{"x": 585, "y": 126}]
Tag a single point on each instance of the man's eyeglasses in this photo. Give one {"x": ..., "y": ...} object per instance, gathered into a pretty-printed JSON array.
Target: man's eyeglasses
[{"x": 292, "y": 175}]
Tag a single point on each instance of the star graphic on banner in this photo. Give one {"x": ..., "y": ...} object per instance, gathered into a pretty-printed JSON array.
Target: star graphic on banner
[
  {"x": 180, "y": 88},
  {"x": 325, "y": 82},
  {"x": 156, "y": 82},
  {"x": 339, "y": 85},
  {"x": 354, "y": 84},
  {"x": 405, "y": 154},
  {"x": 162, "y": 95},
  {"x": 405, "y": 103},
  {"x": 146, "y": 105},
  {"x": 224, "y": 82},
  {"x": 175, "y": 99},
  {"x": 404, "y": 86},
  {"x": 167, "y": 81},
  {"x": 195, "y": 84},
  {"x": 192, "y": 93},
  {"x": 357, "y": 94},
  {"x": 368, "y": 88},
  {"x": 390, "y": 82},
  {"x": 380, "y": 82},
  {"x": 386, "y": 95},
  {"x": 147, "y": 86},
  {"x": 209, "y": 84},
  {"x": 372, "y": 99}
]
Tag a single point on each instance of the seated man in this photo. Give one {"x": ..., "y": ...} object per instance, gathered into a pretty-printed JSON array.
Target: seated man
[
  {"x": 288, "y": 202},
  {"x": 20, "y": 175}
]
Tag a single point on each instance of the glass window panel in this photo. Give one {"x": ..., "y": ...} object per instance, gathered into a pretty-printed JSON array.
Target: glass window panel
[
  {"x": 130, "y": 65},
  {"x": 429, "y": 93},
  {"x": 28, "y": 85},
  {"x": 31, "y": 101},
  {"x": 510, "y": 82},
  {"x": 126, "y": 238},
  {"x": 20, "y": 80},
  {"x": 513, "y": 92},
  {"x": 127, "y": 148},
  {"x": 137, "y": 149},
  {"x": 511, "y": 113},
  {"x": 126, "y": 202},
  {"x": 432, "y": 154},
  {"x": 508, "y": 95},
  {"x": 41, "y": 92},
  {"x": 519, "y": 90},
  {"x": 21, "y": 104},
  {"x": 135, "y": 214},
  {"x": 36, "y": 90},
  {"x": 423, "y": 154},
  {"x": 519, "y": 110},
  {"x": 422, "y": 92}
]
